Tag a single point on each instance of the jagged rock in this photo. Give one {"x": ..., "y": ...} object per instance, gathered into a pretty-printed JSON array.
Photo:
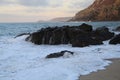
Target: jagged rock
[
  {"x": 47, "y": 35},
  {"x": 87, "y": 40},
  {"x": 117, "y": 29},
  {"x": 73, "y": 33},
  {"x": 78, "y": 36},
  {"x": 115, "y": 40},
  {"x": 86, "y": 27},
  {"x": 103, "y": 33},
  {"x": 37, "y": 37},
  {"x": 22, "y": 35},
  {"x": 57, "y": 36},
  {"x": 60, "y": 54}
]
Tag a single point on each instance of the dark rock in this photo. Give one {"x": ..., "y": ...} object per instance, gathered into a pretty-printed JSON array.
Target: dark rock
[
  {"x": 95, "y": 41},
  {"x": 57, "y": 36},
  {"x": 28, "y": 38},
  {"x": 103, "y": 33},
  {"x": 22, "y": 35},
  {"x": 59, "y": 54},
  {"x": 86, "y": 41},
  {"x": 37, "y": 37},
  {"x": 86, "y": 27},
  {"x": 115, "y": 40},
  {"x": 47, "y": 35},
  {"x": 117, "y": 29},
  {"x": 73, "y": 33},
  {"x": 78, "y": 36}
]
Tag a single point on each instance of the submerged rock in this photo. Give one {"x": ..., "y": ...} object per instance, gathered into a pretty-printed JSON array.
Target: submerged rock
[
  {"x": 60, "y": 54},
  {"x": 115, "y": 40}
]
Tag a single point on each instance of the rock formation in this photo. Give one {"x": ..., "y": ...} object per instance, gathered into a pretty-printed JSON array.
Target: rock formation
[
  {"x": 115, "y": 40},
  {"x": 100, "y": 10},
  {"x": 78, "y": 36},
  {"x": 117, "y": 29}
]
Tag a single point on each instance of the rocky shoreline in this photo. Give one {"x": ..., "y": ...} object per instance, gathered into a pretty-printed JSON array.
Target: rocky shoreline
[{"x": 77, "y": 36}]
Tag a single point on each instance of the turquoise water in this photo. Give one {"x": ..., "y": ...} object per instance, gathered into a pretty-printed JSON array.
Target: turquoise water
[{"x": 13, "y": 29}]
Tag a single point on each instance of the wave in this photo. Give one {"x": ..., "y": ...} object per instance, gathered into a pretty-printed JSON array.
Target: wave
[{"x": 20, "y": 60}]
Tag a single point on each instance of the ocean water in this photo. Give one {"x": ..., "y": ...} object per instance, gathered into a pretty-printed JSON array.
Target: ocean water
[
  {"x": 21, "y": 60},
  {"x": 12, "y": 29}
]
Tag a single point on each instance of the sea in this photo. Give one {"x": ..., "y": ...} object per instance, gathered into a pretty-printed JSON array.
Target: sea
[{"x": 21, "y": 60}]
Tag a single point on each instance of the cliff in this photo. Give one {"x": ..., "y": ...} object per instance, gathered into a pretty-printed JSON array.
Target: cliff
[{"x": 100, "y": 10}]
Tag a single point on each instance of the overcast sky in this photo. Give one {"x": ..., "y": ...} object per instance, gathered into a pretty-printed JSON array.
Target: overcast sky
[{"x": 34, "y": 10}]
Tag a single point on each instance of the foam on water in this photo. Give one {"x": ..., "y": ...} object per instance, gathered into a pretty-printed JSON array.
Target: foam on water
[{"x": 20, "y": 60}]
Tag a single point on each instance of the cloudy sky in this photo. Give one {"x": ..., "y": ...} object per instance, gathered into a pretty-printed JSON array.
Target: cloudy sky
[{"x": 34, "y": 10}]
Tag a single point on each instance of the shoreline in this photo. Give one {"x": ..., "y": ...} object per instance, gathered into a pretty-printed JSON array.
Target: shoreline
[{"x": 112, "y": 72}]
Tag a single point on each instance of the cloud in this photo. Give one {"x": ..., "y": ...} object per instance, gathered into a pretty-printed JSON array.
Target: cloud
[
  {"x": 44, "y": 9},
  {"x": 47, "y": 3},
  {"x": 34, "y": 2},
  {"x": 80, "y": 4},
  {"x": 4, "y": 2},
  {"x": 8, "y": 2}
]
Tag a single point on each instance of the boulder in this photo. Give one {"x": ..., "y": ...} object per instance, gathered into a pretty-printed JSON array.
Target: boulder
[
  {"x": 115, "y": 40},
  {"x": 59, "y": 54},
  {"x": 86, "y": 27}
]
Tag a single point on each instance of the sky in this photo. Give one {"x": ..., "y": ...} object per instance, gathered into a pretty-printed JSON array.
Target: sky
[{"x": 35, "y": 10}]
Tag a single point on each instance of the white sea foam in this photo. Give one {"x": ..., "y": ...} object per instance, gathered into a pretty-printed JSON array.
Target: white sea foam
[{"x": 20, "y": 60}]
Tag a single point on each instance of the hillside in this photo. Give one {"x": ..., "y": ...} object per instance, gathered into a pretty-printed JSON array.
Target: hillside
[
  {"x": 61, "y": 19},
  {"x": 100, "y": 10}
]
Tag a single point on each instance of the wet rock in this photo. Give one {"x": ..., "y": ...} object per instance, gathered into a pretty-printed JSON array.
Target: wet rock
[
  {"x": 48, "y": 32},
  {"x": 115, "y": 40},
  {"x": 22, "y": 35},
  {"x": 117, "y": 29},
  {"x": 86, "y": 41},
  {"x": 60, "y": 54},
  {"x": 78, "y": 36},
  {"x": 57, "y": 36},
  {"x": 86, "y": 27},
  {"x": 103, "y": 33},
  {"x": 37, "y": 37}
]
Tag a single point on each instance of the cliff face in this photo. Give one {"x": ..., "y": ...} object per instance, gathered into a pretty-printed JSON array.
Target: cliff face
[{"x": 100, "y": 10}]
